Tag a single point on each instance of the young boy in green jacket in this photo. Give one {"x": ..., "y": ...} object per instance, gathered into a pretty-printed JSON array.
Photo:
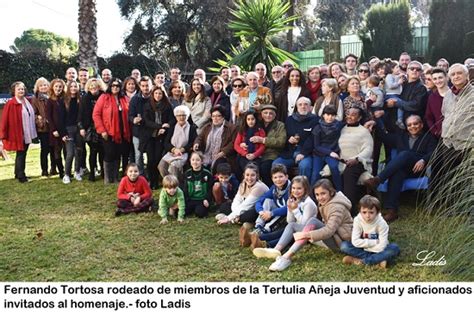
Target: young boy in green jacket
[{"x": 171, "y": 199}]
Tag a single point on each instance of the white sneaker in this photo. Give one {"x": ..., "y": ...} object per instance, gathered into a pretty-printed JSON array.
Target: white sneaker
[
  {"x": 78, "y": 176},
  {"x": 270, "y": 253},
  {"x": 220, "y": 216},
  {"x": 280, "y": 264},
  {"x": 66, "y": 179},
  {"x": 97, "y": 172}
]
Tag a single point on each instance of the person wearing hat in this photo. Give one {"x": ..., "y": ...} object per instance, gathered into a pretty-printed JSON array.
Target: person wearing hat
[
  {"x": 218, "y": 95},
  {"x": 274, "y": 140},
  {"x": 216, "y": 139}
]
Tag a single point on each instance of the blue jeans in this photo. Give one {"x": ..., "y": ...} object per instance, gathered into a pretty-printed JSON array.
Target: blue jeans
[
  {"x": 318, "y": 164},
  {"x": 396, "y": 171},
  {"x": 138, "y": 154},
  {"x": 304, "y": 166},
  {"x": 272, "y": 238},
  {"x": 368, "y": 258}
]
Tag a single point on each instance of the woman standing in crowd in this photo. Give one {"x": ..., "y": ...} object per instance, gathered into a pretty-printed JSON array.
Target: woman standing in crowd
[
  {"x": 216, "y": 140},
  {"x": 314, "y": 83},
  {"x": 176, "y": 93},
  {"x": 178, "y": 144},
  {"x": 110, "y": 119},
  {"x": 218, "y": 95},
  {"x": 330, "y": 97},
  {"x": 199, "y": 104},
  {"x": 18, "y": 129},
  {"x": 94, "y": 89},
  {"x": 130, "y": 86},
  {"x": 158, "y": 117},
  {"x": 70, "y": 136},
  {"x": 56, "y": 124},
  {"x": 335, "y": 69},
  {"x": 363, "y": 74},
  {"x": 342, "y": 84},
  {"x": 39, "y": 103},
  {"x": 294, "y": 87},
  {"x": 237, "y": 84}
]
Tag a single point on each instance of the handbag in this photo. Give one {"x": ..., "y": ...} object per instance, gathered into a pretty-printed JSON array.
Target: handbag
[{"x": 92, "y": 135}]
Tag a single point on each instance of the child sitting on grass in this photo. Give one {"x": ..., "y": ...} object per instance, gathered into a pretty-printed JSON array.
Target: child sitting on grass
[
  {"x": 133, "y": 193},
  {"x": 171, "y": 199},
  {"x": 226, "y": 186},
  {"x": 369, "y": 244},
  {"x": 197, "y": 187},
  {"x": 271, "y": 209}
]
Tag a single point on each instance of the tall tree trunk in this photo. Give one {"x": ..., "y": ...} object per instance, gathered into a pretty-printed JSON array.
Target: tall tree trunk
[
  {"x": 289, "y": 34},
  {"x": 88, "y": 34}
]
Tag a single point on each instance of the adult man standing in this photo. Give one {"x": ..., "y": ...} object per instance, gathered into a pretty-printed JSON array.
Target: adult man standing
[
  {"x": 83, "y": 77},
  {"x": 201, "y": 74},
  {"x": 135, "y": 116},
  {"x": 275, "y": 82},
  {"x": 403, "y": 61},
  {"x": 443, "y": 63},
  {"x": 159, "y": 79},
  {"x": 136, "y": 74},
  {"x": 106, "y": 76},
  {"x": 413, "y": 98},
  {"x": 433, "y": 115},
  {"x": 71, "y": 75},
  {"x": 350, "y": 62}
]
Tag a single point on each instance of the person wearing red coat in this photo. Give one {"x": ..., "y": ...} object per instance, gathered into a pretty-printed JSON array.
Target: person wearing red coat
[
  {"x": 246, "y": 150},
  {"x": 111, "y": 122},
  {"x": 17, "y": 129}
]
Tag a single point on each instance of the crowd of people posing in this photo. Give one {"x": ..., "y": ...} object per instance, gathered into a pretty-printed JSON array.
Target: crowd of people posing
[{"x": 233, "y": 144}]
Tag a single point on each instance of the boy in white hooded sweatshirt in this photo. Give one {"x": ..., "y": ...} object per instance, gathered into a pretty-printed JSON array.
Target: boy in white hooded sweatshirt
[{"x": 369, "y": 244}]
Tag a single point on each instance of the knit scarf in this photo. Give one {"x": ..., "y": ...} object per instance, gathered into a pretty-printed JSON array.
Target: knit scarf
[
  {"x": 28, "y": 121},
  {"x": 180, "y": 135},
  {"x": 250, "y": 133},
  {"x": 299, "y": 118},
  {"x": 213, "y": 144},
  {"x": 314, "y": 90},
  {"x": 328, "y": 128}
]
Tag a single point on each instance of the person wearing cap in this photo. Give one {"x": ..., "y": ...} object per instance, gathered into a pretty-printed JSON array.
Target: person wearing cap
[
  {"x": 274, "y": 140},
  {"x": 216, "y": 140}
]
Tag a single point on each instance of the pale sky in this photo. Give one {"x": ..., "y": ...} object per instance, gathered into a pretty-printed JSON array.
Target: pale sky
[{"x": 60, "y": 17}]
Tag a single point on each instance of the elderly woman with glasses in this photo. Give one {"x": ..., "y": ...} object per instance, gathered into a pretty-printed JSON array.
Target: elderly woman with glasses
[
  {"x": 111, "y": 122},
  {"x": 178, "y": 143},
  {"x": 363, "y": 73},
  {"x": 237, "y": 84},
  {"x": 216, "y": 140}
]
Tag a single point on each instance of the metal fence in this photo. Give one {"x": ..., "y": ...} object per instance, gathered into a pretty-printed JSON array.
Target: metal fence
[{"x": 309, "y": 58}]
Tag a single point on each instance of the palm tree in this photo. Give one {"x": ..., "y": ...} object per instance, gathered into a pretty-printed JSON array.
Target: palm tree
[
  {"x": 88, "y": 34},
  {"x": 257, "y": 21}
]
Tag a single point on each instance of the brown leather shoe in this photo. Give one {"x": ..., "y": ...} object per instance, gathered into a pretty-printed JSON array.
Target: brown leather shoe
[
  {"x": 391, "y": 215},
  {"x": 256, "y": 242},
  {"x": 349, "y": 260},
  {"x": 373, "y": 182},
  {"x": 244, "y": 237}
]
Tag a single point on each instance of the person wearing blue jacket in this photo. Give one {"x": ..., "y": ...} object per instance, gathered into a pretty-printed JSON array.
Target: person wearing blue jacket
[
  {"x": 272, "y": 210},
  {"x": 298, "y": 129}
]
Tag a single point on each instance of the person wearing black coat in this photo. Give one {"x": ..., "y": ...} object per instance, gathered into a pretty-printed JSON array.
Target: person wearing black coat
[
  {"x": 157, "y": 119},
  {"x": 219, "y": 96},
  {"x": 415, "y": 148},
  {"x": 293, "y": 87}
]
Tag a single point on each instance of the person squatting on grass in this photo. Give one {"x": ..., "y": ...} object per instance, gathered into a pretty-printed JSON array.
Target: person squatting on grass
[
  {"x": 171, "y": 199},
  {"x": 336, "y": 226},
  {"x": 226, "y": 186},
  {"x": 197, "y": 187},
  {"x": 133, "y": 193},
  {"x": 271, "y": 209},
  {"x": 369, "y": 242},
  {"x": 242, "y": 208}
]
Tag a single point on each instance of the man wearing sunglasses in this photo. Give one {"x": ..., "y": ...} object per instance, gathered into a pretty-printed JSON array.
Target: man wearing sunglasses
[{"x": 412, "y": 100}]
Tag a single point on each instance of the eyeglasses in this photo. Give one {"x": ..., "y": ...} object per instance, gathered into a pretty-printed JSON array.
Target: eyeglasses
[
  {"x": 286, "y": 66},
  {"x": 260, "y": 69},
  {"x": 237, "y": 86},
  {"x": 116, "y": 85},
  {"x": 275, "y": 72},
  {"x": 414, "y": 69},
  {"x": 180, "y": 115},
  {"x": 364, "y": 70}
]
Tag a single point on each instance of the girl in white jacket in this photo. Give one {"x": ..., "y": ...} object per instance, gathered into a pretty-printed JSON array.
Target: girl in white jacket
[{"x": 369, "y": 244}]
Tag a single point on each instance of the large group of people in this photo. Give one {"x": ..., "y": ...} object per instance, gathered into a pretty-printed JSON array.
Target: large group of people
[{"x": 254, "y": 148}]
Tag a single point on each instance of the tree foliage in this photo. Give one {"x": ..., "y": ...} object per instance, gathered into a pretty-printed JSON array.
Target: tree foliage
[
  {"x": 387, "y": 30},
  {"x": 451, "y": 30},
  {"x": 46, "y": 43},
  {"x": 186, "y": 33},
  {"x": 257, "y": 22}
]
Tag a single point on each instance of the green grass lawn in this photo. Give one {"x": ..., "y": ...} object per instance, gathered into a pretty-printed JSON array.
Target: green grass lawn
[{"x": 55, "y": 232}]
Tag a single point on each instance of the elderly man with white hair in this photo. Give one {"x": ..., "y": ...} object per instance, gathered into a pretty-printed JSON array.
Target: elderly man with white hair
[
  {"x": 261, "y": 70},
  {"x": 201, "y": 74},
  {"x": 252, "y": 96},
  {"x": 457, "y": 128},
  {"x": 178, "y": 143}
]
